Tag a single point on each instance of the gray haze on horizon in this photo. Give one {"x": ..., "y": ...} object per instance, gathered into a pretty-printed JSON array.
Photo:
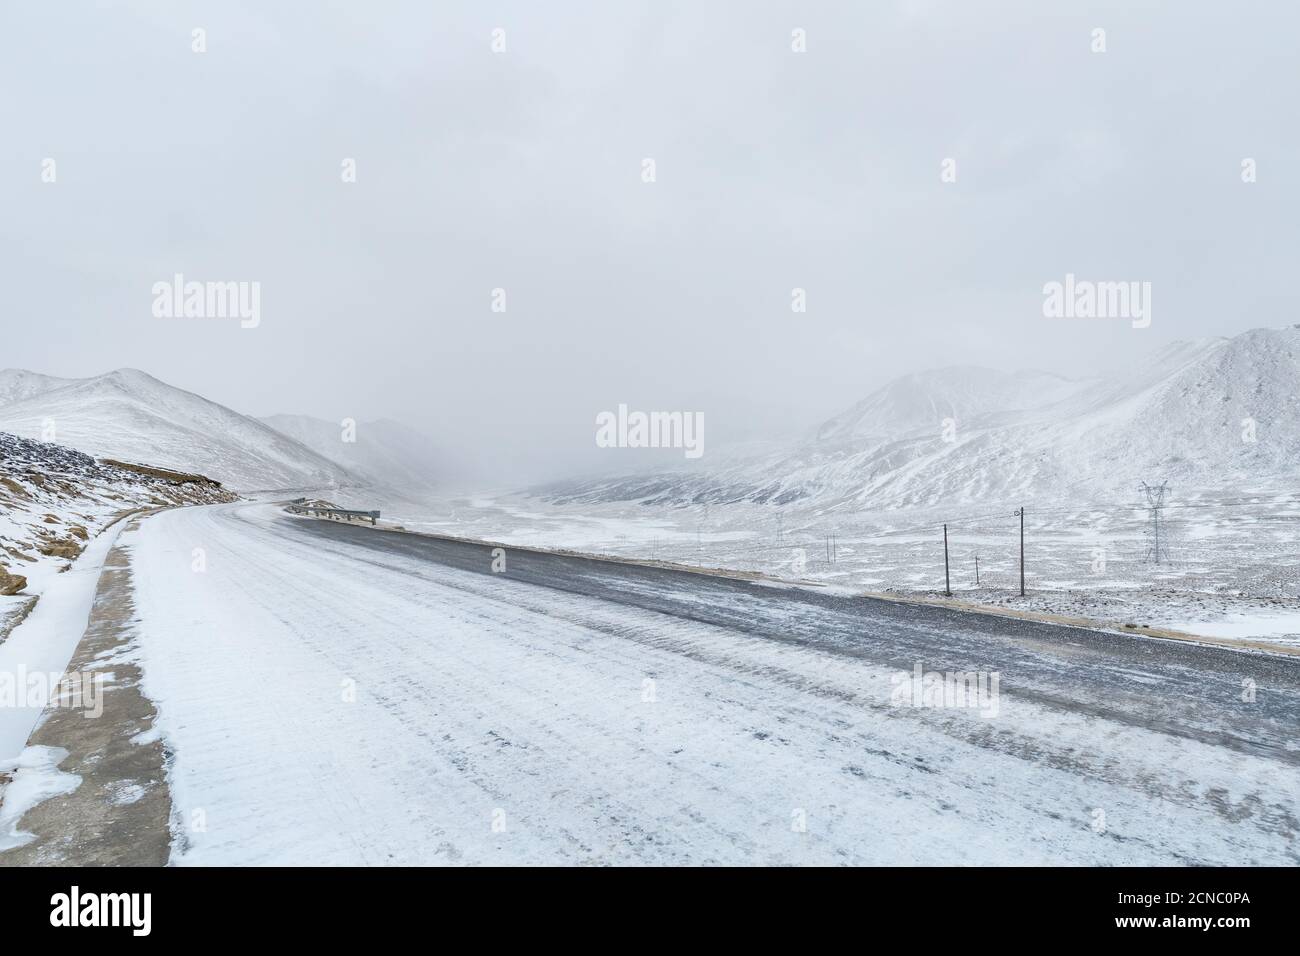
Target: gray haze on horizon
[{"x": 522, "y": 170}]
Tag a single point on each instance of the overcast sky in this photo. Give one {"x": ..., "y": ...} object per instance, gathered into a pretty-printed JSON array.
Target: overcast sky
[{"x": 523, "y": 170}]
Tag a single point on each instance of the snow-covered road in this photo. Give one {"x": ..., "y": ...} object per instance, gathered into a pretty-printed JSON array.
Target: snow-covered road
[{"x": 325, "y": 703}]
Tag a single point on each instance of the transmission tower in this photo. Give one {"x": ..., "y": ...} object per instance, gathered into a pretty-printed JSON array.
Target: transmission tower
[
  {"x": 699, "y": 535},
  {"x": 1155, "y": 503}
]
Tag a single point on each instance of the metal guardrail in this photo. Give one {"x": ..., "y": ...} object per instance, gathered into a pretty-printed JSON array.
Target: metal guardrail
[{"x": 299, "y": 507}]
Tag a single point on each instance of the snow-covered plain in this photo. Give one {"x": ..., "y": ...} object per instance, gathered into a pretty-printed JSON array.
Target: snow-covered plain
[
  {"x": 1231, "y": 560},
  {"x": 324, "y": 705},
  {"x": 861, "y": 503}
]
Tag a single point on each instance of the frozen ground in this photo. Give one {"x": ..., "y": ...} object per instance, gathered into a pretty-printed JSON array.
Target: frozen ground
[
  {"x": 326, "y": 703},
  {"x": 1230, "y": 561},
  {"x": 54, "y": 500}
]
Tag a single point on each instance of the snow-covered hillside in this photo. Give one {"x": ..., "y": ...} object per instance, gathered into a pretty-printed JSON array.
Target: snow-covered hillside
[
  {"x": 18, "y": 384},
  {"x": 918, "y": 403},
  {"x": 54, "y": 499},
  {"x": 385, "y": 453},
  {"x": 1208, "y": 414},
  {"x": 131, "y": 416}
]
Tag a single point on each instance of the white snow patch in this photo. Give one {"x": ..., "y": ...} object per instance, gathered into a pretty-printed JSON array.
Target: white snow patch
[
  {"x": 1280, "y": 628},
  {"x": 123, "y": 793},
  {"x": 37, "y": 779}
]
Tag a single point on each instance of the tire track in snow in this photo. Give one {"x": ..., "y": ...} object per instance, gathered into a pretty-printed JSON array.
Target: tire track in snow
[{"x": 478, "y": 693}]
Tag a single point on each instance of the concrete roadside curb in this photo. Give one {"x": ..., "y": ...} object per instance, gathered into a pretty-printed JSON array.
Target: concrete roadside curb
[{"x": 119, "y": 814}]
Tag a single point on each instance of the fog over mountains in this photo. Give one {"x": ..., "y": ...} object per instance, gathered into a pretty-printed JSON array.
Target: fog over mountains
[
  {"x": 385, "y": 453},
  {"x": 1212, "y": 413},
  {"x": 130, "y": 415}
]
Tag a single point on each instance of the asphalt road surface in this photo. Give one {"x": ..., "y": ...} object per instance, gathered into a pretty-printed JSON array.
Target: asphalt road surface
[
  {"x": 1175, "y": 687},
  {"x": 335, "y": 693}
]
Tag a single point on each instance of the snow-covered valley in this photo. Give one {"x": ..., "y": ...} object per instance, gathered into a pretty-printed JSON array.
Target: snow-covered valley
[
  {"x": 387, "y": 635},
  {"x": 338, "y": 698},
  {"x": 1219, "y": 413},
  {"x": 861, "y": 504},
  {"x": 680, "y": 435}
]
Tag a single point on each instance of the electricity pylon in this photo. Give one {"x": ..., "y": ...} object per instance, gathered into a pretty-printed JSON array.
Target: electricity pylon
[{"x": 1155, "y": 502}]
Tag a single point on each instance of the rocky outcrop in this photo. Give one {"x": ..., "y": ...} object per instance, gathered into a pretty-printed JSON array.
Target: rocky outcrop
[
  {"x": 54, "y": 500},
  {"x": 11, "y": 583}
]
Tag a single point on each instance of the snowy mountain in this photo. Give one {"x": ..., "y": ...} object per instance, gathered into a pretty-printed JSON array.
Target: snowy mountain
[
  {"x": 18, "y": 384},
  {"x": 131, "y": 416},
  {"x": 1208, "y": 414},
  {"x": 921, "y": 401},
  {"x": 384, "y": 452}
]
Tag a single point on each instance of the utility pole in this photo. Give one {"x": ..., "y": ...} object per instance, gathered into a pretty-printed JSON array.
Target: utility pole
[
  {"x": 947, "y": 587},
  {"x": 780, "y": 530},
  {"x": 977, "y": 570},
  {"x": 1021, "y": 512}
]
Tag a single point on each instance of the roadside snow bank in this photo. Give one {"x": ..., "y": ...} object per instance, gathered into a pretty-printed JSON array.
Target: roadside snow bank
[{"x": 44, "y": 642}]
